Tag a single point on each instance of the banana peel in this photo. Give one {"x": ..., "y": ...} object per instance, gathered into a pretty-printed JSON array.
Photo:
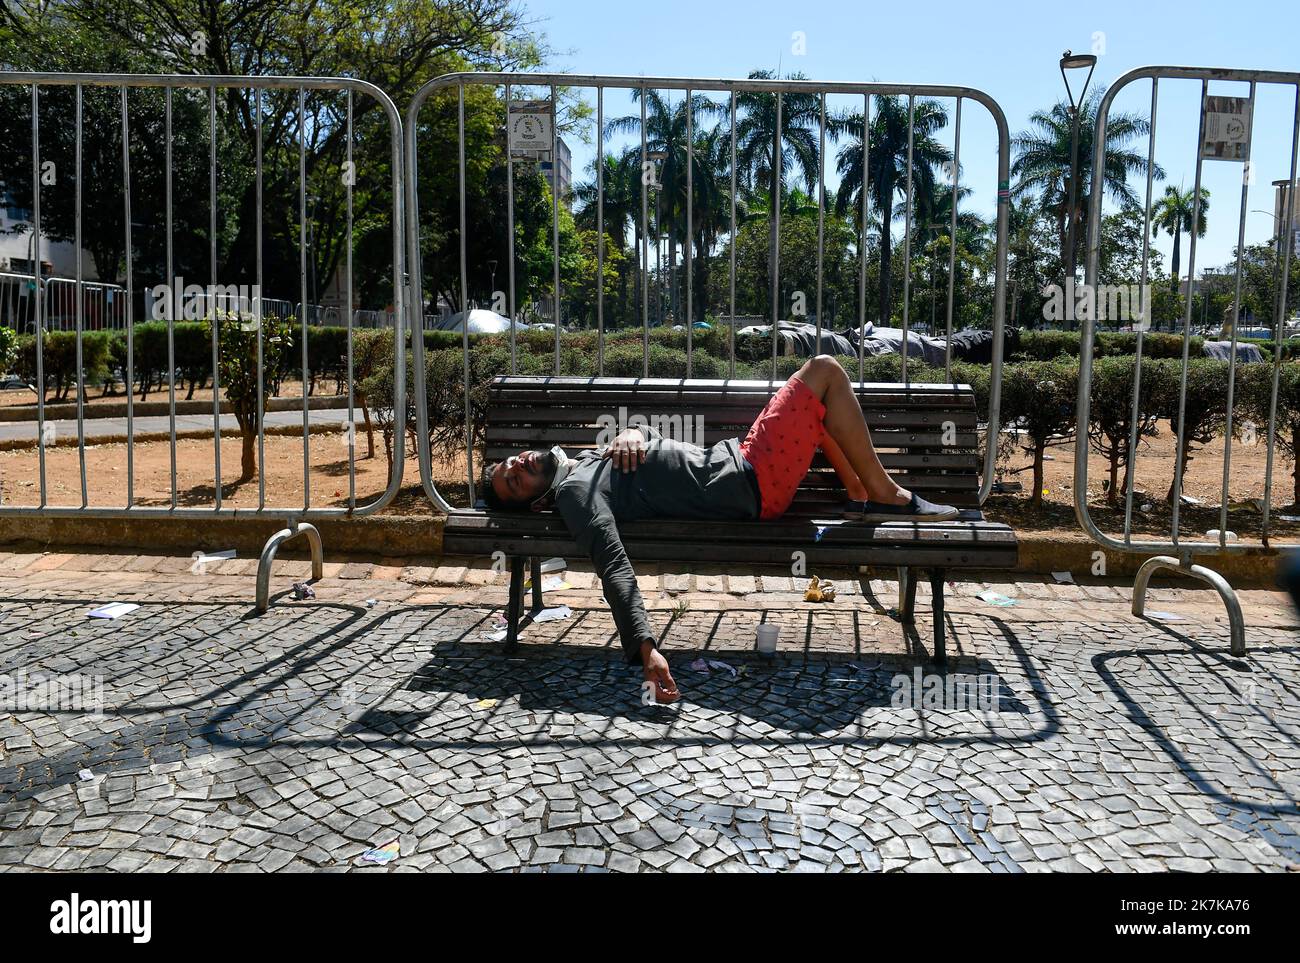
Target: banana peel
[{"x": 819, "y": 591}]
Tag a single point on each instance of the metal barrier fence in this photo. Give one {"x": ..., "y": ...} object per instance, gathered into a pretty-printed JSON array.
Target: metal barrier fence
[
  {"x": 103, "y": 306},
  {"x": 777, "y": 89},
  {"x": 207, "y": 87},
  {"x": 1182, "y": 550},
  {"x": 18, "y": 301},
  {"x": 225, "y": 302}
]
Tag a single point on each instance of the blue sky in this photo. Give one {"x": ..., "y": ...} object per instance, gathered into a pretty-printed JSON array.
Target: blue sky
[{"x": 1010, "y": 51}]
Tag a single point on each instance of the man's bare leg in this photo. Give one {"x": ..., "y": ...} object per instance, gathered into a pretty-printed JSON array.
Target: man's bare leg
[
  {"x": 853, "y": 486},
  {"x": 848, "y": 429}
]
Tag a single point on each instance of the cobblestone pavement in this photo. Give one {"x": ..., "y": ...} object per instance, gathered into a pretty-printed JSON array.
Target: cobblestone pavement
[{"x": 378, "y": 711}]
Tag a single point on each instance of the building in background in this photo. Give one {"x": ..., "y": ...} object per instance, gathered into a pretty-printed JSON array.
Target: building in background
[{"x": 564, "y": 166}]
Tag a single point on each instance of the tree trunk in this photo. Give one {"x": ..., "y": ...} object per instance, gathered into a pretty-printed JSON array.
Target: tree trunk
[
  {"x": 1036, "y": 500},
  {"x": 1128, "y": 469},
  {"x": 1295, "y": 454},
  {"x": 886, "y": 251},
  {"x": 248, "y": 457},
  {"x": 1187, "y": 457},
  {"x": 672, "y": 281},
  {"x": 1112, "y": 496},
  {"x": 1173, "y": 273}
]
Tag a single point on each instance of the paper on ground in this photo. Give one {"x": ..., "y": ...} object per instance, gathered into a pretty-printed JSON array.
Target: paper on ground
[
  {"x": 382, "y": 855},
  {"x": 996, "y": 598},
  {"x": 554, "y": 565},
  {"x": 216, "y": 556},
  {"x": 1065, "y": 578},
  {"x": 497, "y": 636},
  {"x": 1167, "y": 616},
  {"x": 113, "y": 610},
  {"x": 704, "y": 665},
  {"x": 555, "y": 583},
  {"x": 550, "y": 615}
]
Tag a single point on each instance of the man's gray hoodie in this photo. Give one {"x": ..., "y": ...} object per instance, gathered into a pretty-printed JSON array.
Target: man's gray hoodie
[{"x": 677, "y": 480}]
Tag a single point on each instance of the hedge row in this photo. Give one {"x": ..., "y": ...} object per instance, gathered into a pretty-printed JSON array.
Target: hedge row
[{"x": 104, "y": 357}]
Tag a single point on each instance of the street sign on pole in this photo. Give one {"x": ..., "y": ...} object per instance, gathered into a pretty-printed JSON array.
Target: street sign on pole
[
  {"x": 1227, "y": 128},
  {"x": 530, "y": 129}
]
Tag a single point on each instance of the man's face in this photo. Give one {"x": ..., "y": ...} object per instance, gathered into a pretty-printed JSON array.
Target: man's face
[{"x": 524, "y": 477}]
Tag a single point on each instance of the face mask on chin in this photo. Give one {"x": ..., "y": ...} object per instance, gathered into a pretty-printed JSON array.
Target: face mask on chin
[{"x": 560, "y": 463}]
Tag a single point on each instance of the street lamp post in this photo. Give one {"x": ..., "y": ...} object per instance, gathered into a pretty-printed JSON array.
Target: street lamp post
[
  {"x": 1205, "y": 299},
  {"x": 1073, "y": 61},
  {"x": 1284, "y": 240}
]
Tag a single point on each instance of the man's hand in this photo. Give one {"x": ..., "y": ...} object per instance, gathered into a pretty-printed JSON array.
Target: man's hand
[
  {"x": 656, "y": 671},
  {"x": 627, "y": 451}
]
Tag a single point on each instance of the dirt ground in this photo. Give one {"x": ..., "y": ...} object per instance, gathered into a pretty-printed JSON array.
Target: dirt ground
[
  {"x": 1154, "y": 473},
  {"x": 106, "y": 469},
  {"x": 106, "y": 472}
]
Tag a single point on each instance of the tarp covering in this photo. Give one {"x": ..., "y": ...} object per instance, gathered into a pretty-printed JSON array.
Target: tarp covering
[
  {"x": 800, "y": 339},
  {"x": 481, "y": 321},
  {"x": 1222, "y": 350}
]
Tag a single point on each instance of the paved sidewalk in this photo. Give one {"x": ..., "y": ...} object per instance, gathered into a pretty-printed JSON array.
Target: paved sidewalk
[{"x": 379, "y": 711}]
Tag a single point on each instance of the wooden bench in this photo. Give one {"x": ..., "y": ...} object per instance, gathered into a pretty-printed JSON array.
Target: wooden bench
[{"x": 908, "y": 427}]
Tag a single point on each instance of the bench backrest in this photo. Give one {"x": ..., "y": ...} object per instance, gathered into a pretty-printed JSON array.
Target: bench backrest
[{"x": 925, "y": 433}]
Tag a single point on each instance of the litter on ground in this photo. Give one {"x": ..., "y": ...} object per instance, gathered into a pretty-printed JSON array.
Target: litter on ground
[
  {"x": 550, "y": 615},
  {"x": 113, "y": 610}
]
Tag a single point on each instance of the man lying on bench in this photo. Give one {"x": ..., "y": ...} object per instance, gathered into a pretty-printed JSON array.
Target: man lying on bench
[{"x": 644, "y": 475}]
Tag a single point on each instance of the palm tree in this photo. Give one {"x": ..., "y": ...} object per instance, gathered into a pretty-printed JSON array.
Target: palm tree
[
  {"x": 888, "y": 175},
  {"x": 1173, "y": 214},
  {"x": 712, "y": 208},
  {"x": 756, "y": 135},
  {"x": 665, "y": 134},
  {"x": 933, "y": 217},
  {"x": 1042, "y": 164},
  {"x": 622, "y": 208},
  {"x": 932, "y": 237},
  {"x": 760, "y": 145}
]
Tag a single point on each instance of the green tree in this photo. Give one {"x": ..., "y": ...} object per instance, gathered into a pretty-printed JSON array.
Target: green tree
[
  {"x": 1173, "y": 214},
  {"x": 1111, "y": 415},
  {"x": 1041, "y": 397},
  {"x": 666, "y": 137},
  {"x": 888, "y": 155},
  {"x": 397, "y": 45},
  {"x": 237, "y": 340},
  {"x": 1042, "y": 164}
]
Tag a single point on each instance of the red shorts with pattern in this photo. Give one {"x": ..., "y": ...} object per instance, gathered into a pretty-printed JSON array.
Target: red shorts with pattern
[{"x": 781, "y": 444}]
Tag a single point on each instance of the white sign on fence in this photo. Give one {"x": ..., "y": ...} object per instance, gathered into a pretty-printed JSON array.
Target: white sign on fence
[
  {"x": 530, "y": 129},
  {"x": 1227, "y": 128}
]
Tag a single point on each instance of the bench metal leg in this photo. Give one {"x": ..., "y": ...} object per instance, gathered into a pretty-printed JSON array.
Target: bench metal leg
[
  {"x": 906, "y": 596},
  {"x": 936, "y": 600},
  {"x": 515, "y": 603},
  {"x": 536, "y": 575}
]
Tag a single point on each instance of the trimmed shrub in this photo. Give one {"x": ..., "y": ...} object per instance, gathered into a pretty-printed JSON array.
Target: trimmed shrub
[
  {"x": 59, "y": 359},
  {"x": 1041, "y": 396}
]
